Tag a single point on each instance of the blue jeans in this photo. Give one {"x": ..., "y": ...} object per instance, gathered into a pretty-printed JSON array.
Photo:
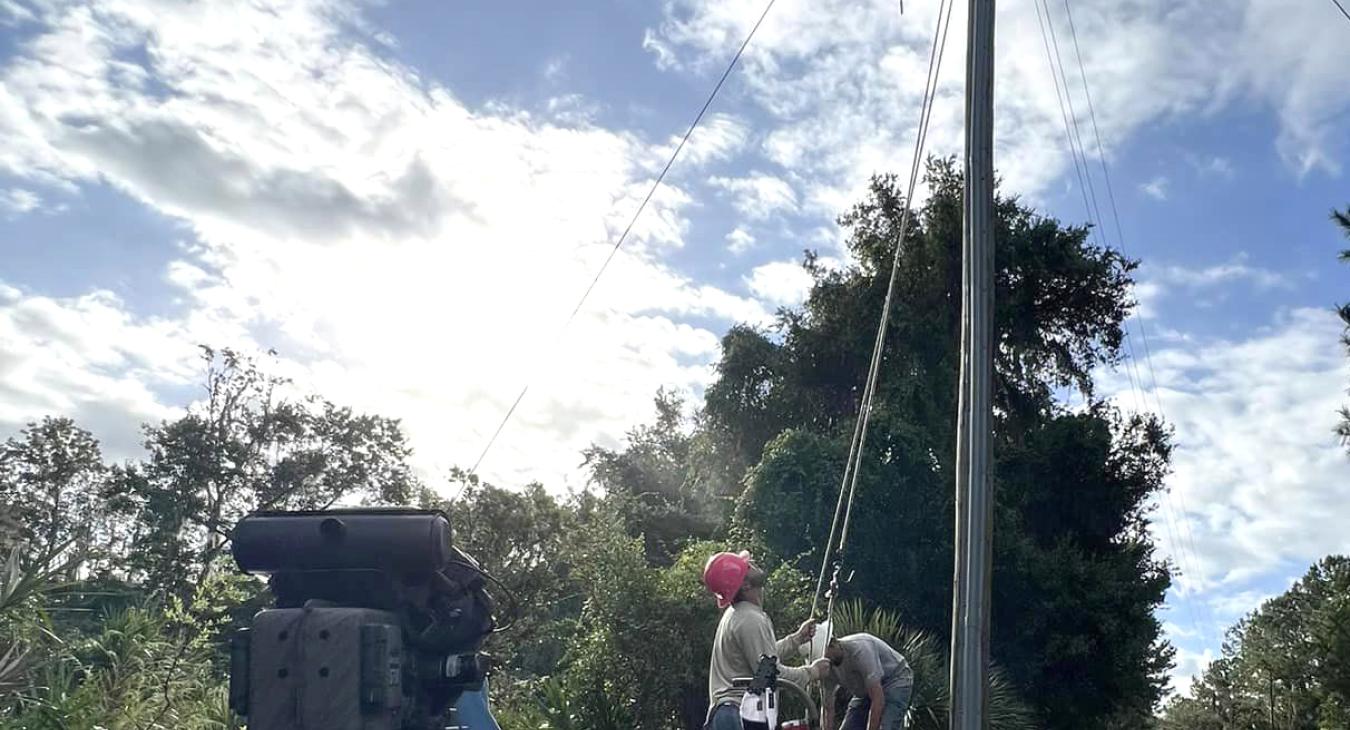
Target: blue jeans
[
  {"x": 724, "y": 717},
  {"x": 892, "y": 718}
]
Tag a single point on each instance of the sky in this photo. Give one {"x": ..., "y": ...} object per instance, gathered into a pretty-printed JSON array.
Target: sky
[{"x": 405, "y": 200}]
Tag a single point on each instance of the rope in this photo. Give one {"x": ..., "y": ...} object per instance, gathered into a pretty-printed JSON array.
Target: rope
[
  {"x": 627, "y": 230},
  {"x": 849, "y": 483}
]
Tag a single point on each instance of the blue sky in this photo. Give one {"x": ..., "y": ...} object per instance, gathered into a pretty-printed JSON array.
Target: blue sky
[{"x": 405, "y": 199}]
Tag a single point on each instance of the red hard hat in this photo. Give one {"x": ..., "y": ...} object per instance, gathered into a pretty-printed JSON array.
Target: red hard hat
[{"x": 724, "y": 574}]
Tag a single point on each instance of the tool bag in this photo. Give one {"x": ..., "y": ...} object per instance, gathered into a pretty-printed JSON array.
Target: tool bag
[{"x": 759, "y": 705}]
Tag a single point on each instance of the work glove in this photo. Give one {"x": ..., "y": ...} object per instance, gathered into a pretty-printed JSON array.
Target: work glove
[
  {"x": 818, "y": 669},
  {"x": 807, "y": 630}
]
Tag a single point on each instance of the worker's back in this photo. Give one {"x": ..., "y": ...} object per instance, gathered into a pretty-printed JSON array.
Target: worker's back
[
  {"x": 867, "y": 657},
  {"x": 742, "y": 630}
]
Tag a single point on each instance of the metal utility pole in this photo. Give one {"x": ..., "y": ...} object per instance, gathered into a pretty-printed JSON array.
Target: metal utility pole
[{"x": 974, "y": 447}]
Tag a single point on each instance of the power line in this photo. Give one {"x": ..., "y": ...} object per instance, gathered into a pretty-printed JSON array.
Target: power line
[
  {"x": 1141, "y": 321},
  {"x": 1082, "y": 170},
  {"x": 1077, "y": 152},
  {"x": 627, "y": 230},
  {"x": 1140, "y": 318},
  {"x": 1341, "y": 8},
  {"x": 1073, "y": 116}
]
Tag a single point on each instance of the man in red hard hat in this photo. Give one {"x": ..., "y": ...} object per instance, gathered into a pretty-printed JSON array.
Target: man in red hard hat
[{"x": 743, "y": 635}]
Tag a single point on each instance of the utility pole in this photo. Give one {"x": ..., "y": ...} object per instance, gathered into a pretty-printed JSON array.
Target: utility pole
[{"x": 974, "y": 447}]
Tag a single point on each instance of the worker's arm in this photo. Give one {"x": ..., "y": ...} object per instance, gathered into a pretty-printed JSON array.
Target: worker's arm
[
  {"x": 827, "y": 703},
  {"x": 878, "y": 705},
  {"x": 788, "y": 645}
]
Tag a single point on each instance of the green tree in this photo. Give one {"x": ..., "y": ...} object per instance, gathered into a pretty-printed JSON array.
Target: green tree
[
  {"x": 1075, "y": 578},
  {"x": 51, "y": 481},
  {"x": 651, "y": 483},
  {"x": 244, "y": 447}
]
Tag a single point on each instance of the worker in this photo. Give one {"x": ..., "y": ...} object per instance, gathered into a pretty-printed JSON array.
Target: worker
[
  {"x": 744, "y": 634},
  {"x": 876, "y": 676}
]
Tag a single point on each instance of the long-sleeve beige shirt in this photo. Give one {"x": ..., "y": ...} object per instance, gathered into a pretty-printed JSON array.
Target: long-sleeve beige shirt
[{"x": 743, "y": 635}]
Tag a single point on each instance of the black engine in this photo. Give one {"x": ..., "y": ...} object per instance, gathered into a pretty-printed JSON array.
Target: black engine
[{"x": 378, "y": 621}]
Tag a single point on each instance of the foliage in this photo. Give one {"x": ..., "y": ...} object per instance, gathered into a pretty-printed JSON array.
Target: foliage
[
  {"x": 137, "y": 672},
  {"x": 650, "y": 483},
  {"x": 24, "y": 631},
  {"x": 247, "y": 447},
  {"x": 523, "y": 539},
  {"x": 1288, "y": 661},
  {"x": 50, "y": 483}
]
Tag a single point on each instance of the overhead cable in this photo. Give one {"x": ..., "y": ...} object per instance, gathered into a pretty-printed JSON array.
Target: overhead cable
[{"x": 656, "y": 184}]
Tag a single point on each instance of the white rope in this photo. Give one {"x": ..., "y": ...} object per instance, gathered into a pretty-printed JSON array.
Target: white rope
[{"x": 849, "y": 483}]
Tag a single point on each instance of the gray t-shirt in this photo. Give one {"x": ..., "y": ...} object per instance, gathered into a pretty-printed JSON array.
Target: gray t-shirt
[
  {"x": 868, "y": 659},
  {"x": 743, "y": 634}
]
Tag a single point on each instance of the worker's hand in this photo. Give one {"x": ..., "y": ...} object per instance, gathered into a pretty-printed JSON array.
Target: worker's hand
[
  {"x": 819, "y": 668},
  {"x": 807, "y": 630}
]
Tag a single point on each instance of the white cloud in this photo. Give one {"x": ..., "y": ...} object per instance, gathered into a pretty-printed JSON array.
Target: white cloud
[
  {"x": 556, "y": 68},
  {"x": 781, "y": 283},
  {"x": 17, "y": 201},
  {"x": 1256, "y": 463},
  {"x": 413, "y": 256},
  {"x": 757, "y": 196},
  {"x": 1234, "y": 270},
  {"x": 1189, "y": 666},
  {"x": 1155, "y": 188},
  {"x": 14, "y": 13},
  {"x": 1205, "y": 285},
  {"x": 1179, "y": 632},
  {"x": 841, "y": 81},
  {"x": 1232, "y": 606},
  {"x": 718, "y": 137},
  {"x": 1213, "y": 166},
  {"x": 740, "y": 240},
  {"x": 87, "y": 358}
]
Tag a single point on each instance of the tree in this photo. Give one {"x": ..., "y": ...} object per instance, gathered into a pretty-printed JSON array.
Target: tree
[
  {"x": 51, "y": 478},
  {"x": 247, "y": 447},
  {"x": 1075, "y": 578},
  {"x": 652, "y": 485}
]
